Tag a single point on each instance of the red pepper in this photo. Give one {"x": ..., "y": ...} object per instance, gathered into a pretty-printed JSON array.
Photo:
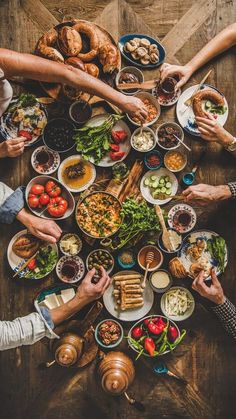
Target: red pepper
[
  {"x": 137, "y": 332},
  {"x": 161, "y": 322},
  {"x": 32, "y": 264},
  {"x": 154, "y": 329},
  {"x": 147, "y": 321},
  {"x": 116, "y": 155},
  {"x": 25, "y": 134},
  {"x": 149, "y": 346},
  {"x": 172, "y": 333},
  {"x": 119, "y": 136},
  {"x": 115, "y": 147}
]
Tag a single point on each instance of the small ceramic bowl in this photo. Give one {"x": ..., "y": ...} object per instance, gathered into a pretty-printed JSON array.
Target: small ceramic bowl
[
  {"x": 75, "y": 263},
  {"x": 154, "y": 153},
  {"x": 126, "y": 265},
  {"x": 171, "y": 125},
  {"x": 154, "y": 101},
  {"x": 155, "y": 249},
  {"x": 157, "y": 289},
  {"x": 163, "y": 249},
  {"x": 187, "y": 313},
  {"x": 113, "y": 345},
  {"x": 181, "y": 155},
  {"x": 104, "y": 252},
  {"x": 78, "y": 242},
  {"x": 147, "y": 129},
  {"x": 85, "y": 109},
  {"x": 53, "y": 129},
  {"x": 133, "y": 70}
]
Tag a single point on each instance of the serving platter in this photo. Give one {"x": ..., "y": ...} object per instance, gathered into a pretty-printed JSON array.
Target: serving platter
[
  {"x": 126, "y": 38},
  {"x": 128, "y": 315},
  {"x": 125, "y": 146},
  {"x": 186, "y": 116},
  {"x": 15, "y": 261},
  {"x": 145, "y": 191},
  {"x": 186, "y": 259}
]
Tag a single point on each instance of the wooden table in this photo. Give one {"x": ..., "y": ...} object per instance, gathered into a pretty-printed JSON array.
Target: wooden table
[{"x": 207, "y": 357}]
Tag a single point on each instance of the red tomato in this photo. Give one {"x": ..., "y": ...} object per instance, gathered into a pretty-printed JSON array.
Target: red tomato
[
  {"x": 37, "y": 189},
  {"x": 44, "y": 199},
  {"x": 32, "y": 264},
  {"x": 33, "y": 201},
  {"x": 116, "y": 155},
  {"x": 25, "y": 134},
  {"x": 57, "y": 206},
  {"x": 52, "y": 189}
]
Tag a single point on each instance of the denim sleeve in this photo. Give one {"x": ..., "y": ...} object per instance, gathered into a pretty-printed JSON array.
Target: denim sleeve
[{"x": 11, "y": 202}]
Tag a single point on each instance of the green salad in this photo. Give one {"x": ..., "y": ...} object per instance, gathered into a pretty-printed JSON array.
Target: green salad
[{"x": 42, "y": 264}]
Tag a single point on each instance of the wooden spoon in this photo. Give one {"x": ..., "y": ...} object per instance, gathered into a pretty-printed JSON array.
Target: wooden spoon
[
  {"x": 146, "y": 85},
  {"x": 165, "y": 234},
  {"x": 149, "y": 259}
]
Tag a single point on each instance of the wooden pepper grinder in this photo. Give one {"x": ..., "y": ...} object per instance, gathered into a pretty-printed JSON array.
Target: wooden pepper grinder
[
  {"x": 117, "y": 372},
  {"x": 68, "y": 349}
]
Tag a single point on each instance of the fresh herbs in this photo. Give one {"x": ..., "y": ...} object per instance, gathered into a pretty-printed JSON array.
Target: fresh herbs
[
  {"x": 44, "y": 263},
  {"x": 217, "y": 248},
  {"x": 95, "y": 142},
  {"x": 24, "y": 101},
  {"x": 138, "y": 218}
]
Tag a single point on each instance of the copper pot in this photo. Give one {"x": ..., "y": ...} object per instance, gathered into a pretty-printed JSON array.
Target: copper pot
[
  {"x": 68, "y": 349},
  {"x": 116, "y": 371}
]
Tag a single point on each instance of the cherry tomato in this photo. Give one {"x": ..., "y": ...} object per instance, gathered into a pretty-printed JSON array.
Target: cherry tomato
[
  {"x": 57, "y": 206},
  {"x": 44, "y": 199},
  {"x": 25, "y": 134},
  {"x": 37, "y": 189},
  {"x": 52, "y": 189},
  {"x": 32, "y": 264},
  {"x": 137, "y": 332},
  {"x": 33, "y": 201}
]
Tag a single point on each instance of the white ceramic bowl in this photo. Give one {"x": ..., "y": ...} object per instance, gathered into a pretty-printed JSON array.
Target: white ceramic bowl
[
  {"x": 42, "y": 180},
  {"x": 144, "y": 129},
  {"x": 187, "y": 313},
  {"x": 180, "y": 168},
  {"x": 154, "y": 101},
  {"x": 130, "y": 69},
  {"x": 169, "y": 124}
]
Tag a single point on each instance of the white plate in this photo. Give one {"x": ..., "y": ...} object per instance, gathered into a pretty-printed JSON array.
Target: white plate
[
  {"x": 128, "y": 315},
  {"x": 48, "y": 168},
  {"x": 86, "y": 185},
  {"x": 186, "y": 116},
  {"x": 125, "y": 146},
  {"x": 199, "y": 234},
  {"x": 187, "y": 313},
  {"x": 189, "y": 210},
  {"x": 9, "y": 129},
  {"x": 145, "y": 190},
  {"x": 15, "y": 260}
]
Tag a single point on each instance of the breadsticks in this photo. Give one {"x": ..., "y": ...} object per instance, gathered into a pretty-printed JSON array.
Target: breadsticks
[{"x": 128, "y": 293}]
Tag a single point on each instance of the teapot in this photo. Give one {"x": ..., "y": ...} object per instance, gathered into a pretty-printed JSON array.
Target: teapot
[
  {"x": 116, "y": 371},
  {"x": 68, "y": 349}
]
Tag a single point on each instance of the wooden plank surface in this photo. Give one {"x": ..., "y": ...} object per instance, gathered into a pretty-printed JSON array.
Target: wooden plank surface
[{"x": 207, "y": 357}]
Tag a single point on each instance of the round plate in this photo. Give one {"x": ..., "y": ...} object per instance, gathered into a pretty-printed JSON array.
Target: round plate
[
  {"x": 10, "y": 129},
  {"x": 187, "y": 313},
  {"x": 87, "y": 184},
  {"x": 128, "y": 37},
  {"x": 186, "y": 116},
  {"x": 129, "y": 315},
  {"x": 125, "y": 146},
  {"x": 15, "y": 261},
  {"x": 145, "y": 191},
  {"x": 189, "y": 210},
  {"x": 165, "y": 101},
  {"x": 51, "y": 166},
  {"x": 78, "y": 261},
  {"x": 199, "y": 234}
]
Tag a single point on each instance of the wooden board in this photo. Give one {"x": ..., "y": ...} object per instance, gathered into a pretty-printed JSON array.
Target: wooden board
[{"x": 207, "y": 357}]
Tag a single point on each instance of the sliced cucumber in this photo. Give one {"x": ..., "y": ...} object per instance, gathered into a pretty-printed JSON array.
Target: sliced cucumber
[
  {"x": 153, "y": 178},
  {"x": 155, "y": 184},
  {"x": 163, "y": 189},
  {"x": 167, "y": 178},
  {"x": 168, "y": 191},
  {"x": 147, "y": 181},
  {"x": 208, "y": 104},
  {"x": 168, "y": 185},
  {"x": 161, "y": 181}
]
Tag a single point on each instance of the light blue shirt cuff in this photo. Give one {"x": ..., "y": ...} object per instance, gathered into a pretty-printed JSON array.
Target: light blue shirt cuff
[{"x": 12, "y": 205}]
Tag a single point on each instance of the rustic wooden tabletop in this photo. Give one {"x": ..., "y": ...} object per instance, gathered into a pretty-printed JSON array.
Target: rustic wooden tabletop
[{"x": 207, "y": 357}]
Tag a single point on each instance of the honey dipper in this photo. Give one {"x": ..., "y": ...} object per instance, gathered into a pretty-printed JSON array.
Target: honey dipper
[{"x": 149, "y": 260}]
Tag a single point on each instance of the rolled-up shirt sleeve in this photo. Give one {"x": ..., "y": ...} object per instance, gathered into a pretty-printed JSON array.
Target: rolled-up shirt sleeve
[
  {"x": 11, "y": 202},
  {"x": 26, "y": 330}
]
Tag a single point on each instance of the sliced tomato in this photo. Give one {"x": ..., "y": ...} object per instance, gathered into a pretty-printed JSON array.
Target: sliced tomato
[
  {"x": 116, "y": 155},
  {"x": 32, "y": 264},
  {"x": 25, "y": 134}
]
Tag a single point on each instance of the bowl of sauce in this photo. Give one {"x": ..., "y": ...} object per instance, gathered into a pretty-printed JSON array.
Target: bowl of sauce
[
  {"x": 157, "y": 261},
  {"x": 70, "y": 269},
  {"x": 80, "y": 112},
  {"x": 160, "y": 280},
  {"x": 129, "y": 75},
  {"x": 76, "y": 173}
]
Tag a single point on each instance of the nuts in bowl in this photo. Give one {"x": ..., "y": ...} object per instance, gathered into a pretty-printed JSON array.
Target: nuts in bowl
[
  {"x": 153, "y": 109},
  {"x": 109, "y": 333},
  {"x": 166, "y": 135},
  {"x": 175, "y": 161},
  {"x": 143, "y": 140}
]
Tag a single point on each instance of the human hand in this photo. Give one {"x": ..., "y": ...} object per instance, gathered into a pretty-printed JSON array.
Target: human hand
[
  {"x": 13, "y": 147},
  {"x": 204, "y": 194},
  {"x": 46, "y": 230},
  {"x": 89, "y": 291},
  {"x": 211, "y": 130},
  {"x": 213, "y": 293},
  {"x": 184, "y": 73},
  {"x": 135, "y": 108}
]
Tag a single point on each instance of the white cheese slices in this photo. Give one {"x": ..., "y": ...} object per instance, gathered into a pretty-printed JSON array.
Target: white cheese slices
[
  {"x": 56, "y": 300},
  {"x": 67, "y": 294}
]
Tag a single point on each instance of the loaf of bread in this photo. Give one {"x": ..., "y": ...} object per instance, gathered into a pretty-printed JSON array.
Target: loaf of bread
[{"x": 69, "y": 41}]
